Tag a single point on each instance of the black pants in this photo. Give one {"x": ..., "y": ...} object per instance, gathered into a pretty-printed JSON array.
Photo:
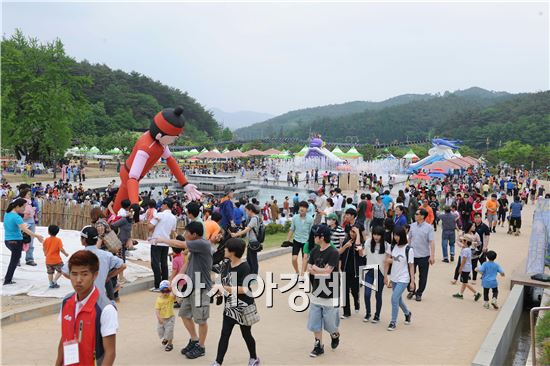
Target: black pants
[
  {"x": 227, "y": 328},
  {"x": 486, "y": 293},
  {"x": 252, "y": 260},
  {"x": 421, "y": 266},
  {"x": 465, "y": 220},
  {"x": 352, "y": 285},
  {"x": 475, "y": 262},
  {"x": 516, "y": 223},
  {"x": 159, "y": 263},
  {"x": 15, "y": 247},
  {"x": 457, "y": 273},
  {"x": 501, "y": 216}
]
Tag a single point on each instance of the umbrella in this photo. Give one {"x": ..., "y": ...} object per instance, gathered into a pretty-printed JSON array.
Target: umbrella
[
  {"x": 422, "y": 176},
  {"x": 438, "y": 170}
]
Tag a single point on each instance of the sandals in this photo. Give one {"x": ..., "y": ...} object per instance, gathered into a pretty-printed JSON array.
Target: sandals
[{"x": 169, "y": 347}]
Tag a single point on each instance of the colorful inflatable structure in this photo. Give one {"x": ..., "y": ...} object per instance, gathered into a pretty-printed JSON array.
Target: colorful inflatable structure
[
  {"x": 442, "y": 150},
  {"x": 317, "y": 150}
]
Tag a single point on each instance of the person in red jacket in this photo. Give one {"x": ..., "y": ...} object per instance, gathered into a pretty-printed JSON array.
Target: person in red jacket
[
  {"x": 89, "y": 322},
  {"x": 165, "y": 128}
]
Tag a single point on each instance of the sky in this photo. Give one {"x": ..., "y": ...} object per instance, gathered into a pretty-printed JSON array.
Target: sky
[{"x": 276, "y": 57}]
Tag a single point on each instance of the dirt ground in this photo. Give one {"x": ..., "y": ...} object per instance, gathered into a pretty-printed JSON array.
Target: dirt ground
[{"x": 444, "y": 330}]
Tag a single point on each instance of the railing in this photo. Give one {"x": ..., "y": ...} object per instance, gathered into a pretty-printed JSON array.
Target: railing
[{"x": 532, "y": 324}]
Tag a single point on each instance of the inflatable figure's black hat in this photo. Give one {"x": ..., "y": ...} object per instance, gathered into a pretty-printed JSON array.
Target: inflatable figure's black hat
[{"x": 169, "y": 122}]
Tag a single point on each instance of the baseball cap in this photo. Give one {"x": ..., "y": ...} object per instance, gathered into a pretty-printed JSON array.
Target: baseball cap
[
  {"x": 89, "y": 232},
  {"x": 164, "y": 285},
  {"x": 332, "y": 216}
]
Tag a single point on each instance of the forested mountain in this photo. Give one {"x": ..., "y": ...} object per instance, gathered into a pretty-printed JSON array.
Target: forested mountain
[
  {"x": 50, "y": 101},
  {"x": 300, "y": 120},
  {"x": 297, "y": 118}
]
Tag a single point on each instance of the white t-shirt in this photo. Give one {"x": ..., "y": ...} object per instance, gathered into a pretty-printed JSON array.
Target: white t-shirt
[
  {"x": 122, "y": 212},
  {"x": 164, "y": 223},
  {"x": 400, "y": 268},
  {"x": 376, "y": 257}
]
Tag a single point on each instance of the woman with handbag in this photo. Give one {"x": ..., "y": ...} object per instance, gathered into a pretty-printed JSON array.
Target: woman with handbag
[
  {"x": 14, "y": 227},
  {"x": 239, "y": 309},
  {"x": 251, "y": 231}
]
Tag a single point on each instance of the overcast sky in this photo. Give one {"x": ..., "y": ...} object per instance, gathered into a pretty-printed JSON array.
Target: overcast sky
[{"x": 270, "y": 57}]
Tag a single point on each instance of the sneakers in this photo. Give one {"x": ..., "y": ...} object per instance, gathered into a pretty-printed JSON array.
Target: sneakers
[
  {"x": 334, "y": 340},
  {"x": 391, "y": 326},
  {"x": 31, "y": 263},
  {"x": 452, "y": 258},
  {"x": 189, "y": 346},
  {"x": 217, "y": 364},
  {"x": 418, "y": 298},
  {"x": 344, "y": 316},
  {"x": 376, "y": 319},
  {"x": 408, "y": 318},
  {"x": 154, "y": 289},
  {"x": 410, "y": 295},
  {"x": 477, "y": 296},
  {"x": 254, "y": 362},
  {"x": 318, "y": 349},
  {"x": 9, "y": 283},
  {"x": 458, "y": 296},
  {"x": 54, "y": 285},
  {"x": 366, "y": 318},
  {"x": 196, "y": 352},
  {"x": 486, "y": 305},
  {"x": 445, "y": 260},
  {"x": 494, "y": 303}
]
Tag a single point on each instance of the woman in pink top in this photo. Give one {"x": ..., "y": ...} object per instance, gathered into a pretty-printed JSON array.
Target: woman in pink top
[{"x": 29, "y": 219}]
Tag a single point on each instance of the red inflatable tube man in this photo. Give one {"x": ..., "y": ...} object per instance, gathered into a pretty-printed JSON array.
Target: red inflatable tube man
[{"x": 165, "y": 128}]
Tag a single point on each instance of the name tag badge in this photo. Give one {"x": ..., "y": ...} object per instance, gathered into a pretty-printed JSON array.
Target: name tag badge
[{"x": 70, "y": 352}]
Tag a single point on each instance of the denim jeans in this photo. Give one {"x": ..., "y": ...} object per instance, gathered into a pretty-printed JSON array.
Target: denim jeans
[
  {"x": 29, "y": 256},
  {"x": 369, "y": 278},
  {"x": 323, "y": 317},
  {"x": 397, "y": 299},
  {"x": 15, "y": 247},
  {"x": 448, "y": 238}
]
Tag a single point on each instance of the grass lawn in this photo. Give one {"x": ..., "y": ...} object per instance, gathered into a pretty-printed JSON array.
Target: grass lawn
[{"x": 274, "y": 240}]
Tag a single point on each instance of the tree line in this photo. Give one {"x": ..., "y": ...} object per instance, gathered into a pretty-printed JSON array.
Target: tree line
[{"x": 51, "y": 102}]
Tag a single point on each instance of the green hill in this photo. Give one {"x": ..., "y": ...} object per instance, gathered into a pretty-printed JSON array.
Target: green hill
[{"x": 297, "y": 118}]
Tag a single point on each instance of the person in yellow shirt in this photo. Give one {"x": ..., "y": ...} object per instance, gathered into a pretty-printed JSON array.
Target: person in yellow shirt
[
  {"x": 164, "y": 309},
  {"x": 492, "y": 208}
]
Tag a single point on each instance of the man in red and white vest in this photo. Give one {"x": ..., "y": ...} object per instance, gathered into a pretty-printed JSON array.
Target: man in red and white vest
[{"x": 89, "y": 322}]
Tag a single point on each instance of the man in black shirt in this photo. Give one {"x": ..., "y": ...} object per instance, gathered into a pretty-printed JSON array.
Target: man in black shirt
[{"x": 323, "y": 273}]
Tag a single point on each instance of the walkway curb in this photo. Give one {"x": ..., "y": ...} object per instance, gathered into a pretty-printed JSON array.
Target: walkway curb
[
  {"x": 145, "y": 283},
  {"x": 496, "y": 344}
]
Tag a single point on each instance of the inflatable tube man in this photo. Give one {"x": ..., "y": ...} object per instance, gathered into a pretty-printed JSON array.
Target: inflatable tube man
[{"x": 165, "y": 128}]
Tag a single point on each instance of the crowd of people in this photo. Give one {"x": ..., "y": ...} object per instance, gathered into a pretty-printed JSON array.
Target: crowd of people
[{"x": 336, "y": 236}]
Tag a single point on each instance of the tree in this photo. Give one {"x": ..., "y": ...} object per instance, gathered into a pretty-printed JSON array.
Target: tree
[{"x": 40, "y": 96}]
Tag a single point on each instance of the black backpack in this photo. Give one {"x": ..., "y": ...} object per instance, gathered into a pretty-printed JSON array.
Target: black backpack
[{"x": 260, "y": 237}]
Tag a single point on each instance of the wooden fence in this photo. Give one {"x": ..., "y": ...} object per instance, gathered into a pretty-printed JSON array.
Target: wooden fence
[{"x": 74, "y": 216}]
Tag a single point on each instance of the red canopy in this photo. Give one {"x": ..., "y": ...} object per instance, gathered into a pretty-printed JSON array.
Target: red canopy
[
  {"x": 423, "y": 176},
  {"x": 235, "y": 154},
  {"x": 210, "y": 155},
  {"x": 272, "y": 151},
  {"x": 255, "y": 152}
]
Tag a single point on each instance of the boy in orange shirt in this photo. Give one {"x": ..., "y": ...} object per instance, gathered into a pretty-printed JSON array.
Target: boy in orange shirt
[{"x": 52, "y": 246}]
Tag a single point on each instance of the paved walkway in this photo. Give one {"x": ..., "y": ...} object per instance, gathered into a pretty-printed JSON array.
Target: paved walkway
[{"x": 444, "y": 330}]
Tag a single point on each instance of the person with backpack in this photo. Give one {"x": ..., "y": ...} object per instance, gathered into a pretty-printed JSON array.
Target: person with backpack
[
  {"x": 421, "y": 238},
  {"x": 255, "y": 233},
  {"x": 402, "y": 275}
]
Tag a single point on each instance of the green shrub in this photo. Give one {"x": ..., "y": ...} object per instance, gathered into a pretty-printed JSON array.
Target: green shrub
[
  {"x": 286, "y": 228},
  {"x": 543, "y": 337},
  {"x": 273, "y": 228}
]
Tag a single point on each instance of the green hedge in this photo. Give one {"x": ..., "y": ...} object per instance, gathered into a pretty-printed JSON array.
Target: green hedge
[{"x": 273, "y": 228}]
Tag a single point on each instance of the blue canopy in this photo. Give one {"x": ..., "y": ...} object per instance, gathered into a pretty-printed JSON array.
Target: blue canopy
[{"x": 437, "y": 175}]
